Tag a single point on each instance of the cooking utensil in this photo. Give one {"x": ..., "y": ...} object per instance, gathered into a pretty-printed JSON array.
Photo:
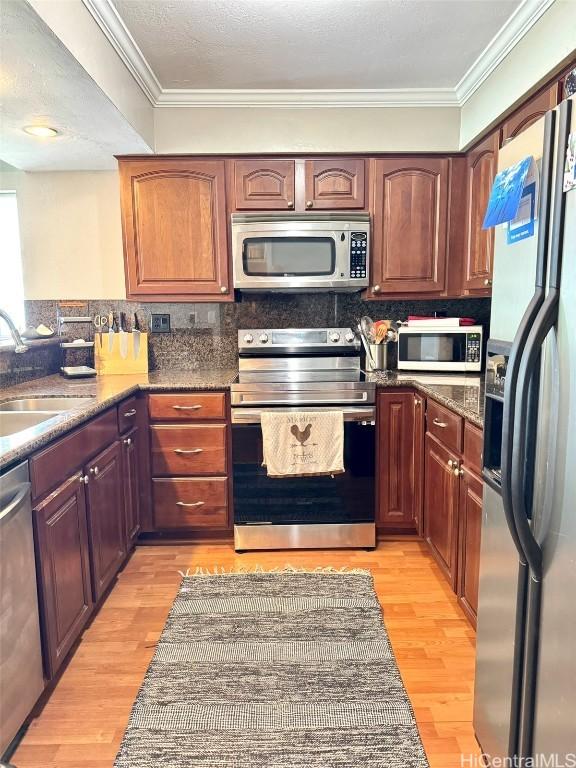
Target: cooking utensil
[
  {"x": 110, "y": 331},
  {"x": 367, "y": 328},
  {"x": 382, "y": 327},
  {"x": 136, "y": 335},
  {"x": 123, "y": 336}
]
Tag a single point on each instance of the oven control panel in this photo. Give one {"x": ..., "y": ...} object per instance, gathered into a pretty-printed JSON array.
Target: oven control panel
[
  {"x": 473, "y": 347},
  {"x": 297, "y": 340},
  {"x": 358, "y": 254}
]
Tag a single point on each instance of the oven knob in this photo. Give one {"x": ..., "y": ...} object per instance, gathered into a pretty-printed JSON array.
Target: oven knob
[
  {"x": 248, "y": 339},
  {"x": 334, "y": 337},
  {"x": 350, "y": 337},
  {"x": 263, "y": 338}
]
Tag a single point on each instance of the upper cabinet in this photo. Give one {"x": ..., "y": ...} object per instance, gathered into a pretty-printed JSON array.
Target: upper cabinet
[
  {"x": 263, "y": 185},
  {"x": 175, "y": 229},
  {"x": 481, "y": 164},
  {"x": 529, "y": 112},
  {"x": 410, "y": 210},
  {"x": 297, "y": 185}
]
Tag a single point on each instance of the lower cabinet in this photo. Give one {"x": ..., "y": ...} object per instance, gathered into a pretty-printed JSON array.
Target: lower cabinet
[
  {"x": 441, "y": 496},
  {"x": 400, "y": 420},
  {"x": 60, "y": 524},
  {"x": 130, "y": 472},
  {"x": 470, "y": 527},
  {"x": 105, "y": 517}
]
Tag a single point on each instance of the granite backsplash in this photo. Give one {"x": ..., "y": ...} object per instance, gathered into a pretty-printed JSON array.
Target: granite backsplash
[{"x": 205, "y": 335}]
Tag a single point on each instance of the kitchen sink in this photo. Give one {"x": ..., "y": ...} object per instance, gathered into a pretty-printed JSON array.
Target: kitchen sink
[
  {"x": 17, "y": 415},
  {"x": 43, "y": 404}
]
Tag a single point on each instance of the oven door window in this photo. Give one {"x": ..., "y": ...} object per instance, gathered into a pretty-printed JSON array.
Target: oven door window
[
  {"x": 432, "y": 347},
  {"x": 289, "y": 256}
]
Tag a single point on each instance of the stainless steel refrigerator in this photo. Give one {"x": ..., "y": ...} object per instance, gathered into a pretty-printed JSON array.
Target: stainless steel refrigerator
[{"x": 525, "y": 690}]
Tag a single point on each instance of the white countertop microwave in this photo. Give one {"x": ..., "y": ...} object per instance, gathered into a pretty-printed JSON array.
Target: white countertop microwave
[
  {"x": 294, "y": 252},
  {"x": 440, "y": 349}
]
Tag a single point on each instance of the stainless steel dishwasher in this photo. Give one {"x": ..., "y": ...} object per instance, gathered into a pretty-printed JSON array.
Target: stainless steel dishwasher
[{"x": 21, "y": 676}]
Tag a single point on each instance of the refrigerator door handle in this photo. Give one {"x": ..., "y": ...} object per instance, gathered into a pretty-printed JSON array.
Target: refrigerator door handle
[
  {"x": 518, "y": 347},
  {"x": 529, "y": 364}
]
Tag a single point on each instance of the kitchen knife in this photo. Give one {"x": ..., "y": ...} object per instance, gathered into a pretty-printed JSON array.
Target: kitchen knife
[
  {"x": 136, "y": 335},
  {"x": 110, "y": 331},
  {"x": 123, "y": 336}
]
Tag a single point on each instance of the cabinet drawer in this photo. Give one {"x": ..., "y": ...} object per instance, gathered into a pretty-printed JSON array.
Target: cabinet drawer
[
  {"x": 190, "y": 406},
  {"x": 65, "y": 456},
  {"x": 188, "y": 450},
  {"x": 191, "y": 503},
  {"x": 129, "y": 413},
  {"x": 473, "y": 442},
  {"x": 445, "y": 425}
]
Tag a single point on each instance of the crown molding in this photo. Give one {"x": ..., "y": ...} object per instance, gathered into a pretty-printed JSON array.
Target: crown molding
[
  {"x": 307, "y": 99},
  {"x": 521, "y": 21},
  {"x": 109, "y": 21}
]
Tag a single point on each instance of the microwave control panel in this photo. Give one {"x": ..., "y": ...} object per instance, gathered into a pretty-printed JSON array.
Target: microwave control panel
[
  {"x": 358, "y": 254},
  {"x": 473, "y": 347}
]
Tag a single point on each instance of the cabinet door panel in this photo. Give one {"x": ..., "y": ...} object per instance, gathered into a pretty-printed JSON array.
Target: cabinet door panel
[
  {"x": 470, "y": 529},
  {"x": 410, "y": 222},
  {"x": 64, "y": 570},
  {"x": 441, "y": 507},
  {"x": 530, "y": 112},
  {"x": 174, "y": 219},
  {"x": 131, "y": 477},
  {"x": 335, "y": 183},
  {"x": 481, "y": 165},
  {"x": 264, "y": 185},
  {"x": 396, "y": 454},
  {"x": 106, "y": 517}
]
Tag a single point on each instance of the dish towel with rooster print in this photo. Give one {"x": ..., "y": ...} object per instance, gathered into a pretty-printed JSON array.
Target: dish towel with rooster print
[{"x": 303, "y": 443}]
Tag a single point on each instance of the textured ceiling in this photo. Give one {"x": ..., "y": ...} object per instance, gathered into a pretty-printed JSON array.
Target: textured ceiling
[
  {"x": 41, "y": 82},
  {"x": 312, "y": 44}
]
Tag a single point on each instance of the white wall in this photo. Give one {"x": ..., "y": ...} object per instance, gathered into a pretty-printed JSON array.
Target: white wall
[
  {"x": 550, "y": 41},
  {"x": 243, "y": 129},
  {"x": 70, "y": 234}
]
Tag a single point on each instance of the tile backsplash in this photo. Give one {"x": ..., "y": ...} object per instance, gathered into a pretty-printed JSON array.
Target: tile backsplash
[{"x": 205, "y": 335}]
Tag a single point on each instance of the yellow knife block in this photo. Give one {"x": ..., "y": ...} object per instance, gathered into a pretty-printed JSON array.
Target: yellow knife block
[{"x": 109, "y": 360}]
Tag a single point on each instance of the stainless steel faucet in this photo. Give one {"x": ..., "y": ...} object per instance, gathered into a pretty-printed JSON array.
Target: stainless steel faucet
[{"x": 19, "y": 345}]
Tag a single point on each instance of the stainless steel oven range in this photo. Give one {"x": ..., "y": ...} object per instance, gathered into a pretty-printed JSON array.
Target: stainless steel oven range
[{"x": 297, "y": 370}]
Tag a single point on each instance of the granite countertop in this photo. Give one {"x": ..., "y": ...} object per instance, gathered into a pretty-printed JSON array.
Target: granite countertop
[
  {"x": 462, "y": 394},
  {"x": 104, "y": 391}
]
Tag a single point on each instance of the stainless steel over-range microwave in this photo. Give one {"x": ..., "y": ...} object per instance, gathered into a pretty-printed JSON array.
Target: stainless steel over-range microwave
[
  {"x": 440, "y": 349},
  {"x": 292, "y": 252}
]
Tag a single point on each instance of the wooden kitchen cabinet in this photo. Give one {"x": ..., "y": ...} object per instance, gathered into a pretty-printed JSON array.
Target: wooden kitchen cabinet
[
  {"x": 174, "y": 224},
  {"x": 441, "y": 498},
  {"x": 470, "y": 527},
  {"x": 409, "y": 241},
  {"x": 131, "y": 483},
  {"x": 105, "y": 497},
  {"x": 481, "y": 166},
  {"x": 398, "y": 458},
  {"x": 268, "y": 184},
  {"x": 530, "y": 112},
  {"x": 64, "y": 584}
]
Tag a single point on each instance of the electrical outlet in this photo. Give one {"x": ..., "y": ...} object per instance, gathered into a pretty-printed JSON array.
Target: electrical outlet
[{"x": 160, "y": 323}]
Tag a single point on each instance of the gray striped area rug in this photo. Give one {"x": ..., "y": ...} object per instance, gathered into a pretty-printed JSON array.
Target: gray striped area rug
[{"x": 273, "y": 670}]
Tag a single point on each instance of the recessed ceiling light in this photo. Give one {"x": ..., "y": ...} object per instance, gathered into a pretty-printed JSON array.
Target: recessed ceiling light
[{"x": 44, "y": 131}]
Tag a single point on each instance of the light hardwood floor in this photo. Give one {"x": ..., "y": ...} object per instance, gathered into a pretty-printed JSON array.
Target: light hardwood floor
[{"x": 82, "y": 724}]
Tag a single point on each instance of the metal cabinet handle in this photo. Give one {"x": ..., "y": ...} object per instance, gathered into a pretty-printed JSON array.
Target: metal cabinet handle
[
  {"x": 439, "y": 423},
  {"x": 84, "y": 479},
  {"x": 130, "y": 413},
  {"x": 452, "y": 463},
  {"x": 458, "y": 472},
  {"x": 309, "y": 203},
  {"x": 189, "y": 450},
  {"x": 416, "y": 401},
  {"x": 128, "y": 441},
  {"x": 223, "y": 289},
  {"x": 94, "y": 471},
  {"x": 487, "y": 282},
  {"x": 190, "y": 504},
  {"x": 376, "y": 289},
  {"x": 290, "y": 203},
  {"x": 186, "y": 407}
]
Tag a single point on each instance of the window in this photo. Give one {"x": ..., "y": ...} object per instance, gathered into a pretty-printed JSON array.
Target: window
[{"x": 11, "y": 285}]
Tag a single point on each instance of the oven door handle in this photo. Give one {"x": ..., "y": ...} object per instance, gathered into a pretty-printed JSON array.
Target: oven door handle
[{"x": 253, "y": 415}]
